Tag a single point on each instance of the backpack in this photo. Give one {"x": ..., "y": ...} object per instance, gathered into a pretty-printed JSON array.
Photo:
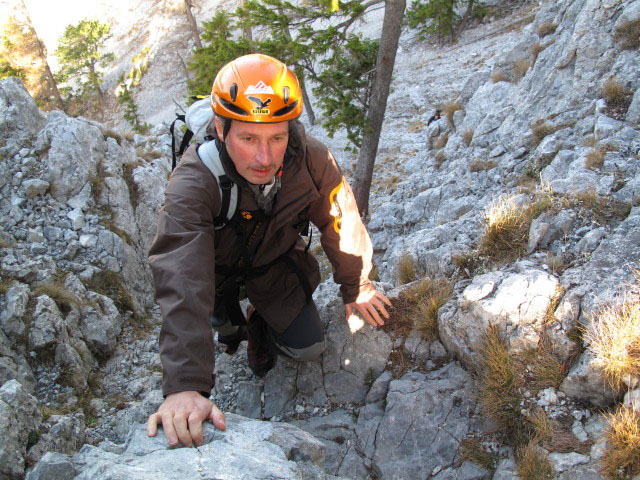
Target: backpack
[{"x": 196, "y": 118}]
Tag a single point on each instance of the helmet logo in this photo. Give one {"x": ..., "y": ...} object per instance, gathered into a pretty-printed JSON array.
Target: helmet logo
[
  {"x": 259, "y": 87},
  {"x": 262, "y": 106},
  {"x": 246, "y": 214}
]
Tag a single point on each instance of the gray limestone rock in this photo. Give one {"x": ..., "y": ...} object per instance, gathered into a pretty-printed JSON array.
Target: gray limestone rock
[
  {"x": 21, "y": 119},
  {"x": 65, "y": 435},
  {"x": 248, "y": 449},
  {"x": 53, "y": 466},
  {"x": 515, "y": 302},
  {"x": 19, "y": 417},
  {"x": 585, "y": 382},
  {"x": 426, "y": 417},
  {"x": 11, "y": 316}
]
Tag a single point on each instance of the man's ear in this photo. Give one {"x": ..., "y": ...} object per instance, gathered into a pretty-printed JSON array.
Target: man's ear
[{"x": 219, "y": 129}]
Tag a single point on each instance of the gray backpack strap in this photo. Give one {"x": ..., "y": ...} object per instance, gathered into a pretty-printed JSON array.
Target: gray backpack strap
[{"x": 208, "y": 153}]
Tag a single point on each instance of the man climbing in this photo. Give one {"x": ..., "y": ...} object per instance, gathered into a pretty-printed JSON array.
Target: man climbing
[
  {"x": 203, "y": 262},
  {"x": 434, "y": 117}
]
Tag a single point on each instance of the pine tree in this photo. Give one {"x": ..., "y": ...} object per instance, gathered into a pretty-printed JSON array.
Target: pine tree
[
  {"x": 81, "y": 57},
  {"x": 21, "y": 50},
  {"x": 219, "y": 49}
]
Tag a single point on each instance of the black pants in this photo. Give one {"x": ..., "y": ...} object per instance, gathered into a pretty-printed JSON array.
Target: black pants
[{"x": 303, "y": 340}]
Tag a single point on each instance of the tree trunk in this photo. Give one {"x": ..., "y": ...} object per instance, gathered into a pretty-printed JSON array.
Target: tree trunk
[
  {"x": 307, "y": 104},
  {"x": 246, "y": 31},
  {"x": 188, "y": 5},
  {"x": 391, "y": 27},
  {"x": 42, "y": 53}
]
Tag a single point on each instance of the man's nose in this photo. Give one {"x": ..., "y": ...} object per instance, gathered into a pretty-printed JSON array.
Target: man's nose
[{"x": 263, "y": 155}]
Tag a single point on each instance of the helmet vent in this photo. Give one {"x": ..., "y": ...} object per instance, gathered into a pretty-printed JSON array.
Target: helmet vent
[
  {"x": 285, "y": 110},
  {"x": 233, "y": 108},
  {"x": 285, "y": 94},
  {"x": 234, "y": 92}
]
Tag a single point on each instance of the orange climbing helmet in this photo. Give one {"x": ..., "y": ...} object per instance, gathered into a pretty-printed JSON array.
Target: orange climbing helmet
[{"x": 257, "y": 88}]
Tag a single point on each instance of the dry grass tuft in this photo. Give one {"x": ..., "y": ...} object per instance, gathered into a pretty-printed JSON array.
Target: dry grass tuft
[
  {"x": 440, "y": 158},
  {"x": 108, "y": 133},
  {"x": 614, "y": 338},
  {"x": 449, "y": 109},
  {"x": 148, "y": 155},
  {"x": 498, "y": 391},
  {"x": 474, "y": 451},
  {"x": 506, "y": 232},
  {"x": 482, "y": 165},
  {"x": 6, "y": 243},
  {"x": 435, "y": 296},
  {"x": 546, "y": 28},
  {"x": 594, "y": 159},
  {"x": 441, "y": 141},
  {"x": 622, "y": 456},
  {"x": 405, "y": 269},
  {"x": 520, "y": 68},
  {"x": 589, "y": 141},
  {"x": 535, "y": 50},
  {"x": 416, "y": 308},
  {"x": 499, "y": 76},
  {"x": 540, "y": 130},
  {"x": 629, "y": 36},
  {"x": 616, "y": 95},
  {"x": 532, "y": 463},
  {"x": 467, "y": 136},
  {"x": 64, "y": 299},
  {"x": 109, "y": 283}
]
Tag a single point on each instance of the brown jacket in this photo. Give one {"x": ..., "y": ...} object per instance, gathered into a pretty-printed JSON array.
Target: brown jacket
[{"x": 187, "y": 248}]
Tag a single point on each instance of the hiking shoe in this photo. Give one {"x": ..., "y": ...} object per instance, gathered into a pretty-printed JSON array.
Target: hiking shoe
[
  {"x": 260, "y": 350},
  {"x": 233, "y": 341}
]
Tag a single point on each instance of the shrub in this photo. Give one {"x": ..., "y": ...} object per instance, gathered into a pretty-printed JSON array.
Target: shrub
[
  {"x": 499, "y": 76},
  {"x": 467, "y": 136},
  {"x": 520, "y": 68},
  {"x": 614, "y": 339},
  {"x": 622, "y": 456},
  {"x": 405, "y": 269},
  {"x": 546, "y": 28}
]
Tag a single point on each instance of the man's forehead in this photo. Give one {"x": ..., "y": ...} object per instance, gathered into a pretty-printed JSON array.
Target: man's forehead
[{"x": 260, "y": 128}]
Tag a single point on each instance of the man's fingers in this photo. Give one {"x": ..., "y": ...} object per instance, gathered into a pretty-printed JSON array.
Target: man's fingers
[
  {"x": 152, "y": 424},
  {"x": 195, "y": 428},
  {"x": 349, "y": 311},
  {"x": 182, "y": 430},
  {"x": 169, "y": 430},
  {"x": 217, "y": 418}
]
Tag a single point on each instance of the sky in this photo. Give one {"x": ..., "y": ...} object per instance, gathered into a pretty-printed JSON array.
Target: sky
[{"x": 51, "y": 17}]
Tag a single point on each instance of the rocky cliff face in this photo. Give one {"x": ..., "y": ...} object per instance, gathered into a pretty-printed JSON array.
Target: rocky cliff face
[{"x": 78, "y": 202}]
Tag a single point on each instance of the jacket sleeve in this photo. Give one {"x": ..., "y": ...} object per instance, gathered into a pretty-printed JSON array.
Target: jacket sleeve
[
  {"x": 182, "y": 261},
  {"x": 344, "y": 237}
]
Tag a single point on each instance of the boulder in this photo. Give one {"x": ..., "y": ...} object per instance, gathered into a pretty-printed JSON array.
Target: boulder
[{"x": 19, "y": 420}]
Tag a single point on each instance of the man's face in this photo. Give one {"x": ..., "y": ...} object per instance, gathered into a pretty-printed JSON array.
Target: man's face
[{"x": 256, "y": 149}]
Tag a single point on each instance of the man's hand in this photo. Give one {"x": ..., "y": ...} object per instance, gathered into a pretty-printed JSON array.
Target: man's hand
[
  {"x": 369, "y": 305},
  {"x": 181, "y": 415}
]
